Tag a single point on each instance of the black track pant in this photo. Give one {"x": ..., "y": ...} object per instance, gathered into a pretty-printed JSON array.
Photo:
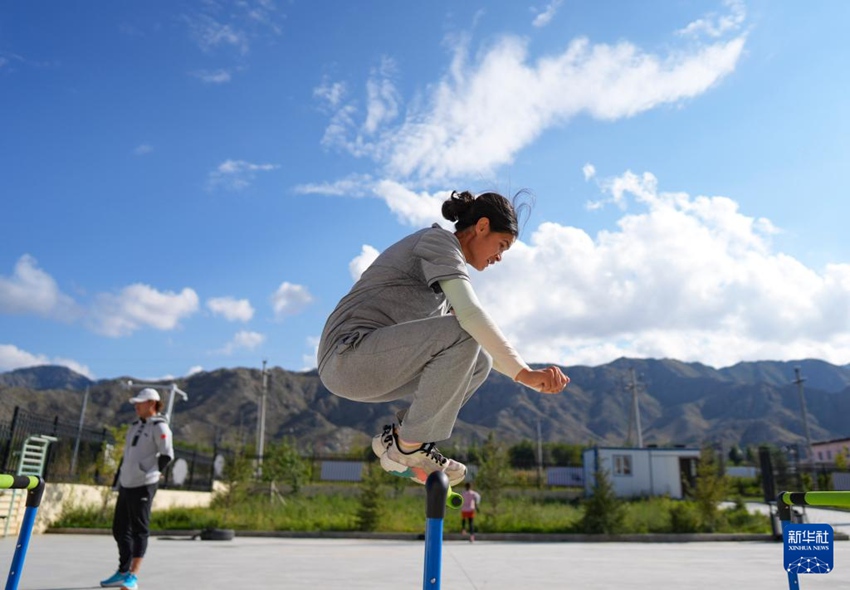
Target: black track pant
[{"x": 130, "y": 525}]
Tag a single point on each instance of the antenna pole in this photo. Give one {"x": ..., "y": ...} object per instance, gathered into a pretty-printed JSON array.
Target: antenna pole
[
  {"x": 635, "y": 407},
  {"x": 261, "y": 421},
  {"x": 798, "y": 380}
]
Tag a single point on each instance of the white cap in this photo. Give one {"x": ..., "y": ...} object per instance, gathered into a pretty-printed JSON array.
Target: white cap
[{"x": 145, "y": 395}]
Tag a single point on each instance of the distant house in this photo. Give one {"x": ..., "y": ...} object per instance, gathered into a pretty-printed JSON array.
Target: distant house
[
  {"x": 565, "y": 476},
  {"x": 827, "y": 451},
  {"x": 642, "y": 472}
]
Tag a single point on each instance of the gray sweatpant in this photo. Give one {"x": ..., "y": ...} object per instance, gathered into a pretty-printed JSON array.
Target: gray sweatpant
[{"x": 434, "y": 361}]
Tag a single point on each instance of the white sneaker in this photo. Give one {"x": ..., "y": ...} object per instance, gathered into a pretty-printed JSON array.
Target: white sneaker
[
  {"x": 419, "y": 464},
  {"x": 380, "y": 442}
]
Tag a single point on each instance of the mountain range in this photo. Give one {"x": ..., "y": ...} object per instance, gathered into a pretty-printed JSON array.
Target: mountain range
[{"x": 679, "y": 404}]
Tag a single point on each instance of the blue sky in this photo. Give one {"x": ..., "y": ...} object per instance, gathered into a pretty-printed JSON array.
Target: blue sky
[{"x": 193, "y": 185}]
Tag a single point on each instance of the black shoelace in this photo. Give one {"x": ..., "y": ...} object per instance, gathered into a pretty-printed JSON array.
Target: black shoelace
[{"x": 430, "y": 449}]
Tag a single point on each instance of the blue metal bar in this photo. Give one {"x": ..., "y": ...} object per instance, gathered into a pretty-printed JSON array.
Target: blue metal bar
[
  {"x": 787, "y": 499},
  {"x": 793, "y": 581},
  {"x": 21, "y": 548},
  {"x": 436, "y": 490},
  {"x": 35, "y": 491},
  {"x": 433, "y": 553}
]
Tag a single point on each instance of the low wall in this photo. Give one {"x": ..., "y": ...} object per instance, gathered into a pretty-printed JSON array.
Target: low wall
[{"x": 58, "y": 496}]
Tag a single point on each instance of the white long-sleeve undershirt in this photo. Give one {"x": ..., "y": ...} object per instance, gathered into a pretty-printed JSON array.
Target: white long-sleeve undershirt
[{"x": 480, "y": 326}]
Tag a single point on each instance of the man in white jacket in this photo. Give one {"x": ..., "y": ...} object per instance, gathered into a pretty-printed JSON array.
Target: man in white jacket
[{"x": 147, "y": 452}]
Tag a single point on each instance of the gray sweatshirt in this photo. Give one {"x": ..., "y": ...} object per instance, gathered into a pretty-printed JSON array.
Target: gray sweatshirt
[{"x": 146, "y": 441}]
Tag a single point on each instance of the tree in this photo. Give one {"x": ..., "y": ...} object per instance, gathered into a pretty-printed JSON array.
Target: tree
[
  {"x": 372, "y": 499},
  {"x": 283, "y": 463},
  {"x": 604, "y": 513},
  {"x": 238, "y": 474},
  {"x": 841, "y": 460},
  {"x": 736, "y": 455},
  {"x": 710, "y": 489},
  {"x": 523, "y": 455},
  {"x": 493, "y": 475},
  {"x": 565, "y": 454}
]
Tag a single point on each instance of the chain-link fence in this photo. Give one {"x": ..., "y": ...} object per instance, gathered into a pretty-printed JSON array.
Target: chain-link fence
[{"x": 81, "y": 455}]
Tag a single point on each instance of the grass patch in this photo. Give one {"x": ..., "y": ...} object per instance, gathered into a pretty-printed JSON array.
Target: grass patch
[{"x": 336, "y": 509}]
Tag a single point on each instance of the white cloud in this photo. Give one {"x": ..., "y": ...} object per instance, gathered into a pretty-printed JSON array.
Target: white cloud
[
  {"x": 213, "y": 76},
  {"x": 233, "y": 25},
  {"x": 210, "y": 34},
  {"x": 30, "y": 290},
  {"x": 331, "y": 93},
  {"x": 382, "y": 105},
  {"x": 290, "y": 299},
  {"x": 416, "y": 209},
  {"x": 243, "y": 340},
  {"x": 714, "y": 25},
  {"x": 143, "y": 149},
  {"x": 691, "y": 278},
  {"x": 361, "y": 262},
  {"x": 139, "y": 306},
  {"x": 231, "y": 309},
  {"x": 589, "y": 171},
  {"x": 355, "y": 185},
  {"x": 310, "y": 361},
  {"x": 12, "y": 357},
  {"x": 545, "y": 16},
  {"x": 449, "y": 132},
  {"x": 194, "y": 370},
  {"x": 236, "y": 174}
]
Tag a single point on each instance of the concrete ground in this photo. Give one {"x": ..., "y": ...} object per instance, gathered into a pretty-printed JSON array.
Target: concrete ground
[{"x": 75, "y": 562}]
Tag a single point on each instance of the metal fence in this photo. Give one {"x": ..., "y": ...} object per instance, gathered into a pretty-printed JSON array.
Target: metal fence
[{"x": 79, "y": 454}]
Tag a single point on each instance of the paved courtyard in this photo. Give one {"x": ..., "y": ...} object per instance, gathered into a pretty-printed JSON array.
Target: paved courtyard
[{"x": 72, "y": 562}]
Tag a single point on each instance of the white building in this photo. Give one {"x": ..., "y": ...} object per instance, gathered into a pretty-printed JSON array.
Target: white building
[
  {"x": 642, "y": 472},
  {"x": 828, "y": 451}
]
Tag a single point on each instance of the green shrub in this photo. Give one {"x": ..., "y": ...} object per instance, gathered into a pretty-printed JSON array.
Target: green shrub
[
  {"x": 711, "y": 488},
  {"x": 372, "y": 500},
  {"x": 493, "y": 476},
  {"x": 604, "y": 513},
  {"x": 684, "y": 517}
]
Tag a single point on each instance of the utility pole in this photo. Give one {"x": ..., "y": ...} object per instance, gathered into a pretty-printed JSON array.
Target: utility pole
[
  {"x": 635, "y": 409},
  {"x": 261, "y": 421},
  {"x": 798, "y": 380},
  {"x": 539, "y": 456},
  {"x": 79, "y": 433}
]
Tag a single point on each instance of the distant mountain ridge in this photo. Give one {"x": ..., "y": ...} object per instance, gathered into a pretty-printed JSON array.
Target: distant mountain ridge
[
  {"x": 680, "y": 403},
  {"x": 45, "y": 377}
]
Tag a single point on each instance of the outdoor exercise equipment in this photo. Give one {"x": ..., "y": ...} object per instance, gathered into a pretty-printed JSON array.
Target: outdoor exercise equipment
[
  {"x": 436, "y": 491},
  {"x": 35, "y": 490},
  {"x": 786, "y": 500}
]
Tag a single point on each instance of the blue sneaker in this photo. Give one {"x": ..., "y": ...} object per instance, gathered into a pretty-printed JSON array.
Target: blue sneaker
[
  {"x": 115, "y": 580},
  {"x": 130, "y": 582}
]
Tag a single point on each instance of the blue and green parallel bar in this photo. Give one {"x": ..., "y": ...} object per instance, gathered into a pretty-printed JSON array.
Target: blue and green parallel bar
[
  {"x": 35, "y": 491},
  {"x": 436, "y": 494},
  {"x": 826, "y": 499},
  {"x": 786, "y": 500}
]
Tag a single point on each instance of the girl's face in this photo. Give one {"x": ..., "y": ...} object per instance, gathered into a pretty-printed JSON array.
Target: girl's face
[
  {"x": 484, "y": 247},
  {"x": 145, "y": 409}
]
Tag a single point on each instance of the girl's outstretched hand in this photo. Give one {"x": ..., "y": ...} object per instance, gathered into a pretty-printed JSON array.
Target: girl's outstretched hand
[{"x": 548, "y": 380}]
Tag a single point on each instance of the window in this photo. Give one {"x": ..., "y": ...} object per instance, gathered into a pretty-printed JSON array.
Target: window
[{"x": 622, "y": 464}]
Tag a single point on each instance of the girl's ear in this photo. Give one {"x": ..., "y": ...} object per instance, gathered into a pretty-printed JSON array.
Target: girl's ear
[{"x": 482, "y": 225}]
